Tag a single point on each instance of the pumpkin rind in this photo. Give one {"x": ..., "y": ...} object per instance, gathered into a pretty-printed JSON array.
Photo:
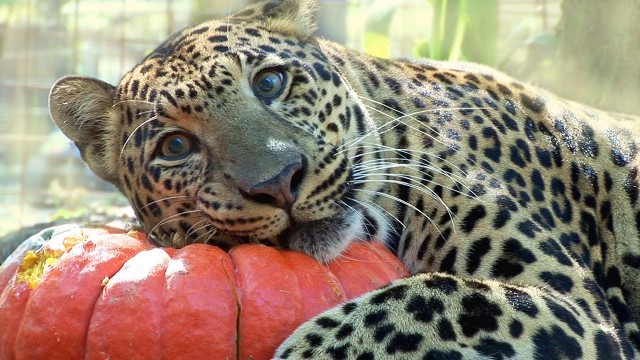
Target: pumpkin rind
[
  {"x": 168, "y": 327},
  {"x": 211, "y": 317},
  {"x": 131, "y": 321},
  {"x": 271, "y": 305},
  {"x": 114, "y": 295},
  {"x": 366, "y": 266},
  {"x": 12, "y": 303},
  {"x": 319, "y": 287}
]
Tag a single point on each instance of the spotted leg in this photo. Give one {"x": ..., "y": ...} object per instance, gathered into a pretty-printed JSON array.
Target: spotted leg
[{"x": 436, "y": 316}]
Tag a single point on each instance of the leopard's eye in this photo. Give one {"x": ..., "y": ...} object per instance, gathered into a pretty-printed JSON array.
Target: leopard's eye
[
  {"x": 176, "y": 147},
  {"x": 269, "y": 84}
]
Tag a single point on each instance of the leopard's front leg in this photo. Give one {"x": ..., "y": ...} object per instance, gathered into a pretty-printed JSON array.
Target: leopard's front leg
[{"x": 437, "y": 316}]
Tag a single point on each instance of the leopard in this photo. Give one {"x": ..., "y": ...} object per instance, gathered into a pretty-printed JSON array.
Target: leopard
[{"x": 515, "y": 211}]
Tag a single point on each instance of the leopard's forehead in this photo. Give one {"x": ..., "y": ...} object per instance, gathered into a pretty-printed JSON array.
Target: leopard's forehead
[
  {"x": 222, "y": 36},
  {"x": 204, "y": 73},
  {"x": 199, "y": 51}
]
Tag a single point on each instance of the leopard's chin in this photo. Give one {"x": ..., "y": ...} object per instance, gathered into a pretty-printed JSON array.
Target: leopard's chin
[{"x": 324, "y": 239}]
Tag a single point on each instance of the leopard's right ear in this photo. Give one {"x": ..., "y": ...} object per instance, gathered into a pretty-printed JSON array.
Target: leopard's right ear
[{"x": 82, "y": 108}]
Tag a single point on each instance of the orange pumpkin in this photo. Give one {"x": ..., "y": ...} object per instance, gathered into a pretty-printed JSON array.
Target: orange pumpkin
[{"x": 101, "y": 293}]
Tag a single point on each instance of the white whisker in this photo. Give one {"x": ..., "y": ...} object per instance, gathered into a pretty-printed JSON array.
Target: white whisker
[
  {"x": 209, "y": 234},
  {"x": 415, "y": 165},
  {"x": 193, "y": 229},
  {"x": 368, "y": 207},
  {"x": 423, "y": 189},
  {"x": 367, "y": 234},
  {"x": 364, "y": 175},
  {"x": 134, "y": 131},
  {"x": 169, "y": 198},
  {"x": 383, "y": 148},
  {"x": 171, "y": 218},
  {"x": 212, "y": 232},
  {"x": 396, "y": 121},
  {"x": 145, "y": 102},
  {"x": 395, "y": 198}
]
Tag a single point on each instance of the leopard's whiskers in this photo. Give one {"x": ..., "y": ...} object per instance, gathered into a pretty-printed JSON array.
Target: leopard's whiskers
[
  {"x": 403, "y": 202},
  {"x": 174, "y": 217},
  {"x": 369, "y": 205},
  {"x": 193, "y": 228},
  {"x": 209, "y": 233},
  {"x": 137, "y": 101},
  {"x": 421, "y": 167},
  {"x": 169, "y": 199},
  {"x": 363, "y": 173},
  {"x": 400, "y": 120}
]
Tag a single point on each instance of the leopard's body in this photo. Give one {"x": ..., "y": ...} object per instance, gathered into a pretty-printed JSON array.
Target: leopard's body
[{"x": 517, "y": 210}]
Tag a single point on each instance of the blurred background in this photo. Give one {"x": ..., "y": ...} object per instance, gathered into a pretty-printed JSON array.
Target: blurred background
[{"x": 583, "y": 49}]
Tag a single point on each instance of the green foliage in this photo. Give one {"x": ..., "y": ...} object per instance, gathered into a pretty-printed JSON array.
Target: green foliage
[
  {"x": 462, "y": 30},
  {"x": 376, "y": 38}
]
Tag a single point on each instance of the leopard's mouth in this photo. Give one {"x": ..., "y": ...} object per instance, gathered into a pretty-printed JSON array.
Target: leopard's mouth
[{"x": 322, "y": 239}]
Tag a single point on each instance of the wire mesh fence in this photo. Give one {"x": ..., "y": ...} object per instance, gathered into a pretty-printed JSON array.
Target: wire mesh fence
[{"x": 42, "y": 175}]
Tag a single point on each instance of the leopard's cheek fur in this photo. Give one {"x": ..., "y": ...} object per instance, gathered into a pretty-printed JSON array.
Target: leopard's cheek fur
[{"x": 164, "y": 197}]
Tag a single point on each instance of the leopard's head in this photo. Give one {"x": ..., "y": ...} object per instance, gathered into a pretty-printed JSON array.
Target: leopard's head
[{"x": 233, "y": 130}]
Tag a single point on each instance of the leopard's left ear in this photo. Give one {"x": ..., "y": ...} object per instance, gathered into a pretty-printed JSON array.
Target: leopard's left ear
[
  {"x": 82, "y": 107},
  {"x": 288, "y": 17}
]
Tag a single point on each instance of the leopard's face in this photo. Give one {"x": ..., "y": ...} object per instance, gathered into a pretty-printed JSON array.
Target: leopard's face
[{"x": 230, "y": 133}]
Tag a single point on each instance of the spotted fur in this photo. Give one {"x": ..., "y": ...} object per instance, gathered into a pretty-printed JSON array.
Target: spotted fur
[{"x": 517, "y": 210}]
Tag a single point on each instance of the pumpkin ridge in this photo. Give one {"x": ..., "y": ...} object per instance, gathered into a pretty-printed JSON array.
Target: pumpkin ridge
[
  {"x": 132, "y": 234},
  {"x": 236, "y": 297}
]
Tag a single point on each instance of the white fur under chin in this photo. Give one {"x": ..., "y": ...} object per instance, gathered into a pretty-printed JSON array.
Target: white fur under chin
[{"x": 334, "y": 240}]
